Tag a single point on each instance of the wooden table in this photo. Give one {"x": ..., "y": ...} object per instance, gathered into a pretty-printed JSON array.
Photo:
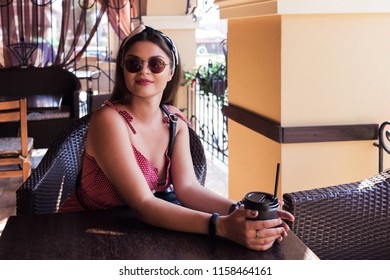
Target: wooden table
[{"x": 119, "y": 234}]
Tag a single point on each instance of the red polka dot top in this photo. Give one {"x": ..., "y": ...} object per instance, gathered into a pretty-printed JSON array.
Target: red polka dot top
[{"x": 97, "y": 192}]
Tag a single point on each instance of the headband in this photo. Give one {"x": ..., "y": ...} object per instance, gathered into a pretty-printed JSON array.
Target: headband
[{"x": 141, "y": 28}]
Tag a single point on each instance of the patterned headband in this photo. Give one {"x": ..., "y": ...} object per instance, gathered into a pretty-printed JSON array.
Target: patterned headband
[{"x": 168, "y": 41}]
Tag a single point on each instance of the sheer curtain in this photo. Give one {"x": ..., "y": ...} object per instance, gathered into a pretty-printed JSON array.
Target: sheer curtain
[
  {"x": 120, "y": 15},
  {"x": 46, "y": 32}
]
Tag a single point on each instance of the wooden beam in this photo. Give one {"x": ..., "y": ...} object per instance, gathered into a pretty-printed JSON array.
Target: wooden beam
[{"x": 303, "y": 134}]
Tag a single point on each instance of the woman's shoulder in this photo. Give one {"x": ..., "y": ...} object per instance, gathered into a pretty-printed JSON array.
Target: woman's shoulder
[
  {"x": 103, "y": 112},
  {"x": 105, "y": 115}
]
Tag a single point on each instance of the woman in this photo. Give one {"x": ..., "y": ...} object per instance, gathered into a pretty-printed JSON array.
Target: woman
[{"x": 127, "y": 160}]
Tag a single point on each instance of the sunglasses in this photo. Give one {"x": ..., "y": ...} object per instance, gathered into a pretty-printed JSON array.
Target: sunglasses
[{"x": 135, "y": 64}]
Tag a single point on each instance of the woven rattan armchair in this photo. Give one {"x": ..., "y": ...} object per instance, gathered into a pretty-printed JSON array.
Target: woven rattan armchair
[
  {"x": 55, "y": 177},
  {"x": 53, "y": 102},
  {"x": 348, "y": 221}
]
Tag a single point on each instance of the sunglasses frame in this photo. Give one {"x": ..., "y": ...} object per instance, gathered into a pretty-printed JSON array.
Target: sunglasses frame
[{"x": 141, "y": 62}]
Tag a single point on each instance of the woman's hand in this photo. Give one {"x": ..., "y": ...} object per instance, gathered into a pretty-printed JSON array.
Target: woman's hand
[
  {"x": 284, "y": 215},
  {"x": 254, "y": 234}
]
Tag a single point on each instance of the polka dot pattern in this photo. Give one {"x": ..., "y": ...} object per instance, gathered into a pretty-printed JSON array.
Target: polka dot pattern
[{"x": 97, "y": 192}]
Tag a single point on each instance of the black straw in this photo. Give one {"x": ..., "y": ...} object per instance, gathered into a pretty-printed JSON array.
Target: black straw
[{"x": 276, "y": 180}]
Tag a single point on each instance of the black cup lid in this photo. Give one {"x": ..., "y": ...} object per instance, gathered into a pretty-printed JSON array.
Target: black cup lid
[
  {"x": 254, "y": 200},
  {"x": 259, "y": 197}
]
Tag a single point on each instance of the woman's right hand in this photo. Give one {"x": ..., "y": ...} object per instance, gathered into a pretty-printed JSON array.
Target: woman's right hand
[{"x": 257, "y": 235}]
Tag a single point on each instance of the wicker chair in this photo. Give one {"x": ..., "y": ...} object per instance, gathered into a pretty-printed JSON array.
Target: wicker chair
[
  {"x": 53, "y": 102},
  {"x": 348, "y": 221},
  {"x": 55, "y": 177}
]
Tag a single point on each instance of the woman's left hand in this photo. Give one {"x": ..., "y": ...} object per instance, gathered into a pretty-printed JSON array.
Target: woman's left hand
[{"x": 254, "y": 234}]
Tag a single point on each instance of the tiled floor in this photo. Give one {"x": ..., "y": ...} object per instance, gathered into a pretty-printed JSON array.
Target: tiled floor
[
  {"x": 216, "y": 179},
  {"x": 217, "y": 175}
]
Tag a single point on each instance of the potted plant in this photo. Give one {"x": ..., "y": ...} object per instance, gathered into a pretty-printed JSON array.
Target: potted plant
[{"x": 210, "y": 79}]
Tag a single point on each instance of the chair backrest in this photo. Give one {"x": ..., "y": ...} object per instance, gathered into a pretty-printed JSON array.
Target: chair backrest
[
  {"x": 198, "y": 157},
  {"x": 55, "y": 177},
  {"x": 15, "y": 111},
  {"x": 347, "y": 221},
  {"x": 45, "y": 88}
]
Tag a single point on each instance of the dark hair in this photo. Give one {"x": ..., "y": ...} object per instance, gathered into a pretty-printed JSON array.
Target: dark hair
[{"x": 120, "y": 93}]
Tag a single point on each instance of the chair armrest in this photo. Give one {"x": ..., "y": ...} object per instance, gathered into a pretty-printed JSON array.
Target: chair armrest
[
  {"x": 42, "y": 191},
  {"x": 347, "y": 221}
]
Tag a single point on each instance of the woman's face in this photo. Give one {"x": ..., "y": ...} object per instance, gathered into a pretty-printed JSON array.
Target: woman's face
[{"x": 144, "y": 82}]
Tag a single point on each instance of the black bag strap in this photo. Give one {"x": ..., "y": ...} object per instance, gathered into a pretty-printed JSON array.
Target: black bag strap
[
  {"x": 172, "y": 128},
  {"x": 169, "y": 196}
]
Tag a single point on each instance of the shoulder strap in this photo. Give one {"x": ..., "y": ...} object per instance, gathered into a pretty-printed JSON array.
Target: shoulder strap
[
  {"x": 172, "y": 128},
  {"x": 125, "y": 115}
]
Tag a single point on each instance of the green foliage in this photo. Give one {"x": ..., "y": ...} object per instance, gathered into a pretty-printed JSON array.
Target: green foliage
[{"x": 210, "y": 79}]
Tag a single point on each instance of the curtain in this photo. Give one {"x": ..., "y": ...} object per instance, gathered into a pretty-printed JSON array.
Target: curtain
[
  {"x": 120, "y": 13},
  {"x": 71, "y": 55},
  {"x": 16, "y": 44},
  {"x": 46, "y": 32}
]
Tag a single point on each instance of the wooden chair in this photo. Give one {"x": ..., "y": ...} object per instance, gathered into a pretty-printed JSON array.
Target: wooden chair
[
  {"x": 55, "y": 177},
  {"x": 15, "y": 151}
]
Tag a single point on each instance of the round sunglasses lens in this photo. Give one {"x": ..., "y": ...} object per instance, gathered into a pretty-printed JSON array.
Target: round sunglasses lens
[
  {"x": 156, "y": 65},
  {"x": 133, "y": 65}
]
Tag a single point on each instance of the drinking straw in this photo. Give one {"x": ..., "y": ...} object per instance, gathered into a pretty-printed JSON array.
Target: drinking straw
[{"x": 276, "y": 180}]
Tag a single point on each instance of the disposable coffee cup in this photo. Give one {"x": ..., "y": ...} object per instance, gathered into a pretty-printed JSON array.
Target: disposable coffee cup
[{"x": 265, "y": 204}]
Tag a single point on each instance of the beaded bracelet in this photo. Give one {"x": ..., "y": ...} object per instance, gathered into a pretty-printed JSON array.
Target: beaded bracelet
[{"x": 213, "y": 225}]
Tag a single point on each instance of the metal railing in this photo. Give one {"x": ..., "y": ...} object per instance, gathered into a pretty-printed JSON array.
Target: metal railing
[
  {"x": 207, "y": 92},
  {"x": 383, "y": 143}
]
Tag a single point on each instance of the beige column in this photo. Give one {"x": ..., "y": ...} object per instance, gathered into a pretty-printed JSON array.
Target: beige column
[{"x": 312, "y": 77}]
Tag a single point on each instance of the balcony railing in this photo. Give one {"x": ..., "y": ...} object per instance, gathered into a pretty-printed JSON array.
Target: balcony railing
[{"x": 207, "y": 90}]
